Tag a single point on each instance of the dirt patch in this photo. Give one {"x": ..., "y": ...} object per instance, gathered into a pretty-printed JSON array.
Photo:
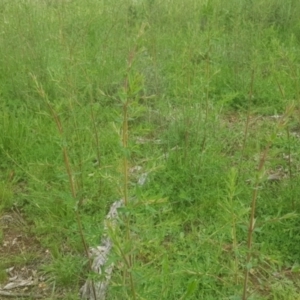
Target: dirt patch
[{"x": 21, "y": 258}]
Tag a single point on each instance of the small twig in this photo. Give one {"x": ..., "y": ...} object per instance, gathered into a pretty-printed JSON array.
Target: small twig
[{"x": 20, "y": 295}]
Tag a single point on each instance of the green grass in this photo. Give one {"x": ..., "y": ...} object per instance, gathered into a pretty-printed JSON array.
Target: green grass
[{"x": 203, "y": 82}]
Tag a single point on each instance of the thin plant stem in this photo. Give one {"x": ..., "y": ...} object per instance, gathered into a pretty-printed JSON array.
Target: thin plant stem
[
  {"x": 252, "y": 218},
  {"x": 98, "y": 153},
  {"x": 207, "y": 72},
  {"x": 259, "y": 175},
  {"x": 73, "y": 192},
  {"x": 126, "y": 103},
  {"x": 69, "y": 173},
  {"x": 289, "y": 145},
  {"x": 290, "y": 165},
  {"x": 248, "y": 114}
]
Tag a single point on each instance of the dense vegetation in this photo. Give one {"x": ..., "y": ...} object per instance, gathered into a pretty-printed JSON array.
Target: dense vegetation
[{"x": 200, "y": 96}]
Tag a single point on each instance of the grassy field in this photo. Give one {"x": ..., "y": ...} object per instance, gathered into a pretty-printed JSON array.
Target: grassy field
[{"x": 200, "y": 97}]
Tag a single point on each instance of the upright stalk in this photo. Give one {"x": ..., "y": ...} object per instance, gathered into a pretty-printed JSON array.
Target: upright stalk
[
  {"x": 125, "y": 191},
  {"x": 252, "y": 217},
  {"x": 69, "y": 173},
  {"x": 248, "y": 115},
  {"x": 289, "y": 144},
  {"x": 208, "y": 77},
  {"x": 290, "y": 166},
  {"x": 259, "y": 176},
  {"x": 126, "y": 103},
  {"x": 97, "y": 145}
]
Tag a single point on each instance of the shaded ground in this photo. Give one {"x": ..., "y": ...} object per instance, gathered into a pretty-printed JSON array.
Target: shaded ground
[{"x": 21, "y": 259}]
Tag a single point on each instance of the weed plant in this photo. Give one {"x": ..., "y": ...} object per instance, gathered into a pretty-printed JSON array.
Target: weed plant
[{"x": 194, "y": 93}]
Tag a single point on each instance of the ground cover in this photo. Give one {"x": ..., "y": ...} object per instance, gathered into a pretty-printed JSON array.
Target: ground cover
[{"x": 198, "y": 100}]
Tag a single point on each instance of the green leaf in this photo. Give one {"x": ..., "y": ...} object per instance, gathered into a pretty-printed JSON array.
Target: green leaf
[{"x": 190, "y": 289}]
